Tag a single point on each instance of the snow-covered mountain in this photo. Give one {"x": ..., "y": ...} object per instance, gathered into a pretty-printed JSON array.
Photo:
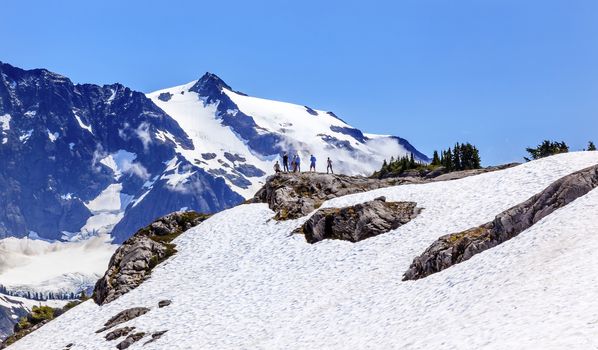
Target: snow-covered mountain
[
  {"x": 77, "y": 160},
  {"x": 243, "y": 280},
  {"x": 237, "y": 137},
  {"x": 81, "y": 160}
]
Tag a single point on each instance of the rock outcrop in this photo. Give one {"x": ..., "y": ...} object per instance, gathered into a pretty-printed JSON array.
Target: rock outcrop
[
  {"x": 133, "y": 338},
  {"x": 132, "y": 263},
  {"x": 119, "y": 332},
  {"x": 358, "y": 222},
  {"x": 452, "y": 249},
  {"x": 122, "y": 317},
  {"x": 293, "y": 195}
]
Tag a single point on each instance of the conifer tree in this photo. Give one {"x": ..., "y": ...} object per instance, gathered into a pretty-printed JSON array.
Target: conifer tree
[
  {"x": 435, "y": 159},
  {"x": 591, "y": 146}
]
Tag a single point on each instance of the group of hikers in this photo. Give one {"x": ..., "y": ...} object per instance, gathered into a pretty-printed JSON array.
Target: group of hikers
[{"x": 294, "y": 165}]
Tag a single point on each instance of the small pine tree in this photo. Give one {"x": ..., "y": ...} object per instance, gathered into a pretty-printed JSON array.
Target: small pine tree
[
  {"x": 435, "y": 159},
  {"x": 591, "y": 146}
]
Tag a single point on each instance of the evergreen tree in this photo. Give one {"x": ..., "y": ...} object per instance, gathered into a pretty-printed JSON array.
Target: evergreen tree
[
  {"x": 546, "y": 148},
  {"x": 457, "y": 157},
  {"x": 435, "y": 159},
  {"x": 591, "y": 146}
]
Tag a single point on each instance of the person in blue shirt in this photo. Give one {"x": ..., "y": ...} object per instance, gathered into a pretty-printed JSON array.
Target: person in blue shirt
[{"x": 312, "y": 163}]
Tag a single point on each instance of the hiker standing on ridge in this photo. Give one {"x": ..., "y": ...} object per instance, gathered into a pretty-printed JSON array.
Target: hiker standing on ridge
[
  {"x": 298, "y": 162},
  {"x": 294, "y": 164},
  {"x": 285, "y": 162},
  {"x": 312, "y": 163},
  {"x": 329, "y": 166},
  {"x": 276, "y": 167}
]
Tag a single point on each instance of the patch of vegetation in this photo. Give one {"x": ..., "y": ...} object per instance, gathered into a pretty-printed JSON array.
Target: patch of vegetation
[
  {"x": 591, "y": 146},
  {"x": 545, "y": 149},
  {"x": 38, "y": 316},
  {"x": 461, "y": 157}
]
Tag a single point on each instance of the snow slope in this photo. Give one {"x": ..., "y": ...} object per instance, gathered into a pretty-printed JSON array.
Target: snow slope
[
  {"x": 241, "y": 280},
  {"x": 293, "y": 128},
  {"x": 39, "y": 268}
]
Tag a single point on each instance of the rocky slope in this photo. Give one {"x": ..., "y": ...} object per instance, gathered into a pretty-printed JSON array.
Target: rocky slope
[
  {"x": 133, "y": 261},
  {"x": 293, "y": 195},
  {"x": 455, "y": 248}
]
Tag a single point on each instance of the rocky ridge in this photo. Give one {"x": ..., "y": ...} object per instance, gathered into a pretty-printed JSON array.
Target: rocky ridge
[
  {"x": 454, "y": 248},
  {"x": 132, "y": 263}
]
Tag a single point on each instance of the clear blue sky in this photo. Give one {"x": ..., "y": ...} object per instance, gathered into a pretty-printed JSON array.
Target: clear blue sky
[{"x": 502, "y": 74}]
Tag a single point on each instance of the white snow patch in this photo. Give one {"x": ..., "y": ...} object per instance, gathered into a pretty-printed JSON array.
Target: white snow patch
[
  {"x": 5, "y": 122},
  {"x": 23, "y": 138},
  {"x": 81, "y": 124},
  {"x": 53, "y": 136},
  {"x": 108, "y": 209}
]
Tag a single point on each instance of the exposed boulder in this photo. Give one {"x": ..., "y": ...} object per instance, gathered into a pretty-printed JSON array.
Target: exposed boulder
[
  {"x": 293, "y": 195},
  {"x": 133, "y": 338},
  {"x": 452, "y": 249},
  {"x": 123, "y": 316},
  {"x": 132, "y": 262},
  {"x": 119, "y": 332},
  {"x": 155, "y": 336},
  {"x": 164, "y": 303},
  {"x": 358, "y": 222}
]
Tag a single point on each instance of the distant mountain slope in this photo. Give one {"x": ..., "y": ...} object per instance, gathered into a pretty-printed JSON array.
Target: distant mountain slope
[
  {"x": 242, "y": 280},
  {"x": 238, "y": 137},
  {"x": 75, "y": 160}
]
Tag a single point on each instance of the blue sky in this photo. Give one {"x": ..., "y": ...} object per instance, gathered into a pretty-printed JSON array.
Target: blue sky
[{"x": 502, "y": 74}]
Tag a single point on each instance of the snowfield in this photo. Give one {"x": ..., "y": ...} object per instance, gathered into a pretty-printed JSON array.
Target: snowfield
[{"x": 242, "y": 281}]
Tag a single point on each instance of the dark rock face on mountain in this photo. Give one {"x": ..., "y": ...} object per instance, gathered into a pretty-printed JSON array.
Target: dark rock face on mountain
[
  {"x": 455, "y": 248},
  {"x": 293, "y": 195},
  {"x": 57, "y": 143},
  {"x": 358, "y": 222},
  {"x": 11, "y": 310},
  {"x": 132, "y": 262},
  {"x": 210, "y": 86}
]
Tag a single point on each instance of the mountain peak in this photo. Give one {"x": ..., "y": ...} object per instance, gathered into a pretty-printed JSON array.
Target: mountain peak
[{"x": 208, "y": 83}]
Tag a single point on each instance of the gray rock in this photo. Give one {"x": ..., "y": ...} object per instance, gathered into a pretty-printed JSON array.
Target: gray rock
[
  {"x": 452, "y": 249},
  {"x": 123, "y": 316},
  {"x": 155, "y": 336},
  {"x": 133, "y": 338},
  {"x": 164, "y": 303},
  {"x": 119, "y": 332},
  {"x": 132, "y": 262},
  {"x": 358, "y": 222}
]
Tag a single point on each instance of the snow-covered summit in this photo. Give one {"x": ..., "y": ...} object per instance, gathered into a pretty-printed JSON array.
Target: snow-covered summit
[
  {"x": 238, "y": 137},
  {"x": 242, "y": 280}
]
